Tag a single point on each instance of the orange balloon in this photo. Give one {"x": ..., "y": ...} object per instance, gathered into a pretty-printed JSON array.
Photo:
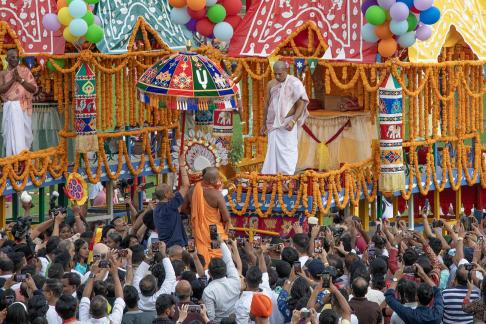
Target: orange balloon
[
  {"x": 383, "y": 31},
  {"x": 196, "y": 5},
  {"x": 178, "y": 3},
  {"x": 61, "y": 4},
  {"x": 387, "y": 47}
]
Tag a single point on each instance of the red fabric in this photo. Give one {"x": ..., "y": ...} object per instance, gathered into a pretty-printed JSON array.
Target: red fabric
[
  {"x": 340, "y": 26},
  {"x": 393, "y": 260},
  {"x": 25, "y": 18}
]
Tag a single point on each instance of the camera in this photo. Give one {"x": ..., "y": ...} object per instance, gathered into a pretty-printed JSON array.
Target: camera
[
  {"x": 122, "y": 253},
  {"x": 410, "y": 269},
  {"x": 104, "y": 264},
  {"x": 20, "y": 277},
  {"x": 21, "y": 227},
  {"x": 437, "y": 223},
  {"x": 331, "y": 271},
  {"x": 468, "y": 267},
  {"x": 123, "y": 184},
  {"x": 53, "y": 210}
]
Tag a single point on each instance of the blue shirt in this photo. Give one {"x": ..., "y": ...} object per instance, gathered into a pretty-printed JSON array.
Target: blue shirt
[
  {"x": 419, "y": 315},
  {"x": 168, "y": 222}
]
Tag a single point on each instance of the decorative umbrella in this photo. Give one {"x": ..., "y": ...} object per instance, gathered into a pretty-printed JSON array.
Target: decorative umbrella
[{"x": 190, "y": 81}]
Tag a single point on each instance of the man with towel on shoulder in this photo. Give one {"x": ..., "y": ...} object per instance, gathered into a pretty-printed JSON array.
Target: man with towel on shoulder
[{"x": 17, "y": 86}]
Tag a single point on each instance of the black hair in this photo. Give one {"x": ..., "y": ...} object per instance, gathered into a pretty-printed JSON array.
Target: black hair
[
  {"x": 52, "y": 244},
  {"x": 6, "y": 265},
  {"x": 299, "y": 294},
  {"x": 16, "y": 258},
  {"x": 328, "y": 316},
  {"x": 130, "y": 295},
  {"x": 410, "y": 256},
  {"x": 78, "y": 244},
  {"x": 100, "y": 288},
  {"x": 73, "y": 279},
  {"x": 158, "y": 271},
  {"x": 217, "y": 268},
  {"x": 148, "y": 285},
  {"x": 435, "y": 244},
  {"x": 55, "y": 271},
  {"x": 37, "y": 307},
  {"x": 336, "y": 262},
  {"x": 197, "y": 287},
  {"x": 253, "y": 277},
  {"x": 424, "y": 294},
  {"x": 407, "y": 290},
  {"x": 178, "y": 266},
  {"x": 188, "y": 275},
  {"x": 359, "y": 269},
  {"x": 116, "y": 237},
  {"x": 425, "y": 263},
  {"x": 138, "y": 254},
  {"x": 462, "y": 275},
  {"x": 55, "y": 286},
  {"x": 16, "y": 314},
  {"x": 301, "y": 242},
  {"x": 290, "y": 255},
  {"x": 360, "y": 287},
  {"x": 105, "y": 230},
  {"x": 66, "y": 306},
  {"x": 163, "y": 303},
  {"x": 63, "y": 257}
]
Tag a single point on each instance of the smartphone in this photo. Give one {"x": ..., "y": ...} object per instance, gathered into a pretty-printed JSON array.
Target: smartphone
[
  {"x": 240, "y": 241},
  {"x": 480, "y": 240},
  {"x": 213, "y": 232},
  {"x": 194, "y": 308},
  {"x": 191, "y": 246},
  {"x": 409, "y": 269},
  {"x": 155, "y": 244},
  {"x": 231, "y": 234},
  {"x": 20, "y": 277},
  {"x": 371, "y": 251},
  {"x": 214, "y": 245},
  {"x": 318, "y": 245},
  {"x": 257, "y": 241},
  {"x": 122, "y": 253},
  {"x": 326, "y": 280},
  {"x": 9, "y": 300},
  {"x": 468, "y": 267},
  {"x": 378, "y": 228},
  {"x": 297, "y": 267},
  {"x": 104, "y": 264}
]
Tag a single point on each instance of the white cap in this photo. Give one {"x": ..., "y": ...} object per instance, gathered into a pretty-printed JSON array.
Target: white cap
[
  {"x": 25, "y": 197},
  {"x": 312, "y": 221}
]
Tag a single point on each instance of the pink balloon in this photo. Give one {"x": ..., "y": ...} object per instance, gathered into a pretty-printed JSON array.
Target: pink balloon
[
  {"x": 423, "y": 32},
  {"x": 97, "y": 20},
  {"x": 51, "y": 22},
  {"x": 423, "y": 4},
  {"x": 386, "y": 4},
  {"x": 399, "y": 11}
]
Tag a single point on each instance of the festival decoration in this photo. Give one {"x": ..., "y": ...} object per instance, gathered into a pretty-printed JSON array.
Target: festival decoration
[
  {"x": 392, "y": 22},
  {"x": 392, "y": 171},
  {"x": 85, "y": 110},
  {"x": 76, "y": 189}
]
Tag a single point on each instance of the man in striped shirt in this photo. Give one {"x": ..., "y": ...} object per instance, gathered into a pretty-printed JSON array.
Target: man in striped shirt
[{"x": 454, "y": 299}]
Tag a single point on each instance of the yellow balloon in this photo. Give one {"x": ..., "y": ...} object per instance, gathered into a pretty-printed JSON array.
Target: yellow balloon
[
  {"x": 64, "y": 16},
  {"x": 68, "y": 36}
]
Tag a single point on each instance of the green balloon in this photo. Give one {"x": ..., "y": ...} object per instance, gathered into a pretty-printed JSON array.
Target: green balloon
[
  {"x": 68, "y": 2},
  {"x": 51, "y": 67},
  {"x": 412, "y": 22},
  {"x": 89, "y": 18},
  {"x": 94, "y": 34},
  {"x": 375, "y": 15},
  {"x": 216, "y": 13},
  {"x": 91, "y": 1}
]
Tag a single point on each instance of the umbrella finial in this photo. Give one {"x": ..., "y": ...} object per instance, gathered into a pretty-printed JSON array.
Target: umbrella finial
[{"x": 188, "y": 44}]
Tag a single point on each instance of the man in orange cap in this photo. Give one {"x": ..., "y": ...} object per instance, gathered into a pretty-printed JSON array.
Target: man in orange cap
[{"x": 261, "y": 308}]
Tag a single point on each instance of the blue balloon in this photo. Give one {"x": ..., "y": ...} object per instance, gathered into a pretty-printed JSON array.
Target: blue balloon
[
  {"x": 368, "y": 33},
  {"x": 407, "y": 40},
  {"x": 223, "y": 31},
  {"x": 77, "y": 8},
  {"x": 398, "y": 27},
  {"x": 430, "y": 16},
  {"x": 409, "y": 3},
  {"x": 179, "y": 16},
  {"x": 78, "y": 27}
]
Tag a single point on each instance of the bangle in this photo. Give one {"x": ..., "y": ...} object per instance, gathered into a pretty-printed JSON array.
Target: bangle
[{"x": 460, "y": 238}]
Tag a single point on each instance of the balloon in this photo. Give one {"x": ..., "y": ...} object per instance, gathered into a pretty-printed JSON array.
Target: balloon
[
  {"x": 178, "y": 3},
  {"x": 387, "y": 47},
  {"x": 383, "y": 31},
  {"x": 77, "y": 8},
  {"x": 412, "y": 22},
  {"x": 423, "y": 4},
  {"x": 223, "y": 31},
  {"x": 51, "y": 22},
  {"x": 399, "y": 11},
  {"x": 368, "y": 33},
  {"x": 423, "y": 32},
  {"x": 197, "y": 14},
  {"x": 61, "y": 4},
  {"x": 398, "y": 27},
  {"x": 234, "y": 21},
  {"x": 89, "y": 18},
  {"x": 179, "y": 16},
  {"x": 414, "y": 10},
  {"x": 92, "y": 1},
  {"x": 375, "y": 15},
  {"x": 367, "y": 4},
  {"x": 216, "y": 13},
  {"x": 196, "y": 4},
  {"x": 191, "y": 25},
  {"x": 232, "y": 7},
  {"x": 51, "y": 67},
  {"x": 64, "y": 16},
  {"x": 97, "y": 20},
  {"x": 78, "y": 27},
  {"x": 409, "y": 3},
  {"x": 210, "y": 3},
  {"x": 386, "y": 4},
  {"x": 205, "y": 27},
  {"x": 407, "y": 40},
  {"x": 68, "y": 36},
  {"x": 94, "y": 34},
  {"x": 430, "y": 16}
]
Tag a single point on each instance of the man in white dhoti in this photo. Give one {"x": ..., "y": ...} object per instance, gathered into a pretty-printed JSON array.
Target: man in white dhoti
[
  {"x": 17, "y": 86},
  {"x": 285, "y": 111}
]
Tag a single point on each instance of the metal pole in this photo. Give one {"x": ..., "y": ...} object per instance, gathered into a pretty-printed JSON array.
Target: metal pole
[
  {"x": 42, "y": 200},
  {"x": 411, "y": 221}
]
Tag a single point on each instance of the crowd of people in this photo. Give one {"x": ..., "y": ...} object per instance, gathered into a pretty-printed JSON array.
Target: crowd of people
[{"x": 180, "y": 261}]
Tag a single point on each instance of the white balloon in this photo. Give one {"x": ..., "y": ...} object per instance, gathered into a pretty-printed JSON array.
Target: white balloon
[
  {"x": 223, "y": 31},
  {"x": 210, "y": 3},
  {"x": 179, "y": 16}
]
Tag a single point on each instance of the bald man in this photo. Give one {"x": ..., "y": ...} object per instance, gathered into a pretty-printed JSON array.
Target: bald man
[
  {"x": 285, "y": 111},
  {"x": 183, "y": 292},
  {"x": 167, "y": 217}
]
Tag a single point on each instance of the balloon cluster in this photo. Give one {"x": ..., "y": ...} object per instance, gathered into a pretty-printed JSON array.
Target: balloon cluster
[
  {"x": 210, "y": 18},
  {"x": 77, "y": 21},
  {"x": 394, "y": 23}
]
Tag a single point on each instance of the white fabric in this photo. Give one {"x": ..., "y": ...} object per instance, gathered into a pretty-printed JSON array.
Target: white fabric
[
  {"x": 16, "y": 128},
  {"x": 52, "y": 317},
  {"x": 243, "y": 305},
  {"x": 303, "y": 260},
  {"x": 395, "y": 319},
  {"x": 114, "y": 318},
  {"x": 277, "y": 316},
  {"x": 354, "y": 319},
  {"x": 282, "y": 152},
  {"x": 94, "y": 189}
]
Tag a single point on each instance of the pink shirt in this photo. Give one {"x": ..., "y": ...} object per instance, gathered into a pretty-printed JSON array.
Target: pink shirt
[{"x": 17, "y": 92}]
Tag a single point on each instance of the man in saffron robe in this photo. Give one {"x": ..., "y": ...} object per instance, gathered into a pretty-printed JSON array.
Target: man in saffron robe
[
  {"x": 208, "y": 207},
  {"x": 17, "y": 86},
  {"x": 285, "y": 111}
]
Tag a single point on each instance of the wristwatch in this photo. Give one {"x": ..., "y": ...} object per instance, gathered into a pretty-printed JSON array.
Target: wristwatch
[
  {"x": 395, "y": 279},
  {"x": 22, "y": 81}
]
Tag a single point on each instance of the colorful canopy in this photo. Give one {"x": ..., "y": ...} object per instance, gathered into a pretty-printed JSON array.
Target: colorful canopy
[{"x": 190, "y": 81}]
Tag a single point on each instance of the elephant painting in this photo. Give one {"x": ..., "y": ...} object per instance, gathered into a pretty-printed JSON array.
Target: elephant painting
[
  {"x": 224, "y": 118},
  {"x": 394, "y": 131}
]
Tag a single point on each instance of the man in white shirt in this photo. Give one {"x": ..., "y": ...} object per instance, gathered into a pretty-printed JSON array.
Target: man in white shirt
[
  {"x": 95, "y": 310},
  {"x": 146, "y": 284},
  {"x": 301, "y": 244},
  {"x": 52, "y": 290},
  {"x": 222, "y": 293}
]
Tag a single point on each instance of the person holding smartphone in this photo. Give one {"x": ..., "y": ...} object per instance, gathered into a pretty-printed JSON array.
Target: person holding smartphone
[{"x": 166, "y": 215}]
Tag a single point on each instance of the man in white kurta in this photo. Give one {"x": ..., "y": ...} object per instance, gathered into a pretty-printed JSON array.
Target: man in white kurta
[{"x": 285, "y": 112}]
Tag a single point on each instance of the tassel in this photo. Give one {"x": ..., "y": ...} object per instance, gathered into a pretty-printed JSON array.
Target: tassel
[{"x": 322, "y": 156}]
